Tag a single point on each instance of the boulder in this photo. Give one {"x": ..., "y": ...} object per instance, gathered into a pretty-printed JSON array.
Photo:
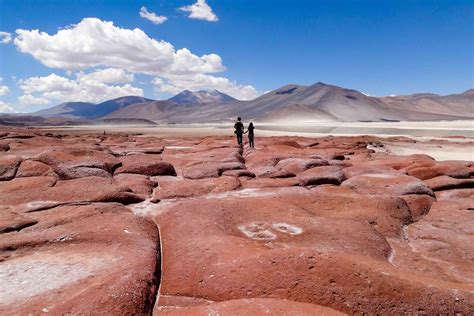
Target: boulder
[
  {"x": 387, "y": 184},
  {"x": 149, "y": 165},
  {"x": 272, "y": 172},
  {"x": 321, "y": 175},
  {"x": 31, "y": 168},
  {"x": 297, "y": 165},
  {"x": 8, "y": 166},
  {"x": 210, "y": 169},
  {"x": 454, "y": 169},
  {"x": 447, "y": 183},
  {"x": 80, "y": 260},
  {"x": 138, "y": 183},
  {"x": 296, "y": 252},
  {"x": 72, "y": 163},
  {"x": 239, "y": 173},
  {"x": 176, "y": 188},
  {"x": 37, "y": 193}
]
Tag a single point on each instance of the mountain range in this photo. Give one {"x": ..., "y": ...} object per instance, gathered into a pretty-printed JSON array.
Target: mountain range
[{"x": 290, "y": 103}]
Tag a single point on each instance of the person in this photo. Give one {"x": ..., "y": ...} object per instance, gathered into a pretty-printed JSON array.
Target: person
[
  {"x": 239, "y": 130},
  {"x": 250, "y": 131}
]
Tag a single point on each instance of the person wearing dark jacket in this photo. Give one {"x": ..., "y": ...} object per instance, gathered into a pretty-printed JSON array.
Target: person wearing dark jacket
[
  {"x": 250, "y": 131},
  {"x": 239, "y": 130}
]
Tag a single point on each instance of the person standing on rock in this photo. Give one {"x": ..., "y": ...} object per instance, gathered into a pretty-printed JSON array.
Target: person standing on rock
[
  {"x": 250, "y": 131},
  {"x": 239, "y": 130}
]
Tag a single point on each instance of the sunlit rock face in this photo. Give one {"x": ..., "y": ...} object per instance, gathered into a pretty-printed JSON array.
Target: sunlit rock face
[{"x": 134, "y": 224}]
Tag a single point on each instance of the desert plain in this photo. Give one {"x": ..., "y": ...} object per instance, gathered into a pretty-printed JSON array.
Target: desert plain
[{"x": 182, "y": 221}]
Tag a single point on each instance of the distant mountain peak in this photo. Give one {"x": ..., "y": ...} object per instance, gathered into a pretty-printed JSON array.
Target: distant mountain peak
[
  {"x": 470, "y": 91},
  {"x": 201, "y": 97}
]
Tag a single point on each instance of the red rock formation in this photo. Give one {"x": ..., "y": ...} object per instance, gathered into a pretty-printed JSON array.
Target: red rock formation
[{"x": 296, "y": 226}]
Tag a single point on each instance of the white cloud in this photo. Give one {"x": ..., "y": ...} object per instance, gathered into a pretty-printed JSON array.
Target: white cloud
[
  {"x": 156, "y": 19},
  {"x": 93, "y": 87},
  {"x": 109, "y": 75},
  {"x": 202, "y": 81},
  {"x": 28, "y": 99},
  {"x": 4, "y": 90},
  {"x": 5, "y": 108},
  {"x": 5, "y": 37},
  {"x": 96, "y": 43},
  {"x": 200, "y": 11}
]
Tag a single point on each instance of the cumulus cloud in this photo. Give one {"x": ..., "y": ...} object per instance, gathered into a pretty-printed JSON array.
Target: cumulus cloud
[
  {"x": 5, "y": 108},
  {"x": 109, "y": 75},
  {"x": 96, "y": 43},
  {"x": 93, "y": 87},
  {"x": 4, "y": 90},
  {"x": 151, "y": 16},
  {"x": 28, "y": 99},
  {"x": 5, "y": 37},
  {"x": 200, "y": 11}
]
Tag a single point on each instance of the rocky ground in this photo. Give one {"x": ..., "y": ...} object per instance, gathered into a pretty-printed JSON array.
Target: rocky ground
[{"x": 134, "y": 224}]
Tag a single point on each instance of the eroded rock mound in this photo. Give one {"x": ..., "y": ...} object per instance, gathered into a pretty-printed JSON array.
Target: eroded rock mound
[{"x": 295, "y": 226}]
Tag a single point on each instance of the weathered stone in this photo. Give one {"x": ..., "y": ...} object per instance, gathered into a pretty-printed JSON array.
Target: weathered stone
[
  {"x": 447, "y": 183},
  {"x": 387, "y": 184},
  {"x": 210, "y": 170},
  {"x": 78, "y": 163},
  {"x": 149, "y": 165},
  {"x": 256, "y": 306},
  {"x": 31, "y": 168},
  {"x": 80, "y": 260},
  {"x": 321, "y": 175},
  {"x": 8, "y": 166}
]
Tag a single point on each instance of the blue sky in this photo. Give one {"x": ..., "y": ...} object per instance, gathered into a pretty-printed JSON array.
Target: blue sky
[{"x": 378, "y": 47}]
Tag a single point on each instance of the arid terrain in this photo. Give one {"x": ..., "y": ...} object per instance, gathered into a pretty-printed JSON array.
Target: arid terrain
[{"x": 184, "y": 222}]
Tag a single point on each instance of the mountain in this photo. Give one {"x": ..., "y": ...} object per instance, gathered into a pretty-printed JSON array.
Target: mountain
[
  {"x": 294, "y": 103},
  {"x": 449, "y": 105},
  {"x": 90, "y": 110},
  {"x": 72, "y": 109},
  {"x": 201, "y": 97},
  {"x": 290, "y": 103}
]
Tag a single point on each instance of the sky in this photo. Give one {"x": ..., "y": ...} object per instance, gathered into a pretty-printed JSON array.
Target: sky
[{"x": 54, "y": 51}]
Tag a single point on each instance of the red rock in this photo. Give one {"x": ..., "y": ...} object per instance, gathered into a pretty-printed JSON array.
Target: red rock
[
  {"x": 440, "y": 245},
  {"x": 297, "y": 165},
  {"x": 447, "y": 183},
  {"x": 296, "y": 250},
  {"x": 455, "y": 169},
  {"x": 78, "y": 163},
  {"x": 361, "y": 169},
  {"x": 239, "y": 173},
  {"x": 321, "y": 175},
  {"x": 149, "y": 165},
  {"x": 31, "y": 168},
  {"x": 4, "y": 147},
  {"x": 387, "y": 184},
  {"x": 36, "y": 193},
  {"x": 175, "y": 188},
  {"x": 269, "y": 182},
  {"x": 454, "y": 194},
  {"x": 11, "y": 221},
  {"x": 210, "y": 170},
  {"x": 272, "y": 172},
  {"x": 419, "y": 205},
  {"x": 8, "y": 166},
  {"x": 138, "y": 183},
  {"x": 80, "y": 260},
  {"x": 256, "y": 306}
]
